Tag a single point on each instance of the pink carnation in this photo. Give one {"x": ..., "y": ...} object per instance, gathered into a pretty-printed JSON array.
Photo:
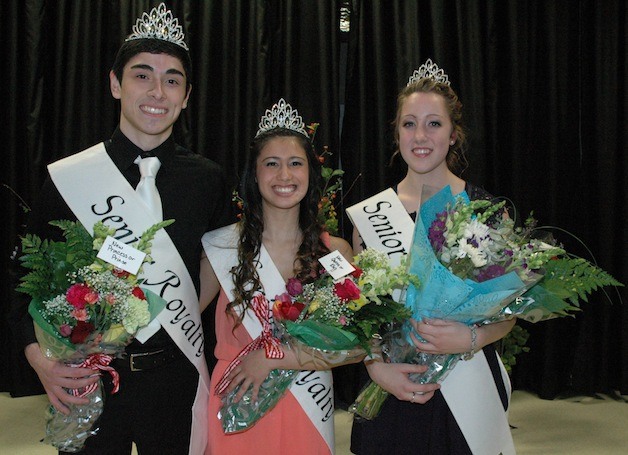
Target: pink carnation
[
  {"x": 80, "y": 314},
  {"x": 92, "y": 297}
]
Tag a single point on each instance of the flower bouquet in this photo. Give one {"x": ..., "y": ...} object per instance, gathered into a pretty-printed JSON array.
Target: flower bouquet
[
  {"x": 327, "y": 323},
  {"x": 85, "y": 311},
  {"x": 476, "y": 267}
]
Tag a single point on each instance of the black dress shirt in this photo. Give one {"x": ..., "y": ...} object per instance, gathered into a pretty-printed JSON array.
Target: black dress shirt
[{"x": 194, "y": 192}]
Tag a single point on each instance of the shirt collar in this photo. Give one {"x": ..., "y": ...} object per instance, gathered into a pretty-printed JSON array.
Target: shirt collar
[{"x": 123, "y": 152}]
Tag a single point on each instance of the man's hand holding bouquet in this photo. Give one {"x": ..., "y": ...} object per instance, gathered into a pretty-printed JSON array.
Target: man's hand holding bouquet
[
  {"x": 332, "y": 321},
  {"x": 476, "y": 267},
  {"x": 87, "y": 304}
]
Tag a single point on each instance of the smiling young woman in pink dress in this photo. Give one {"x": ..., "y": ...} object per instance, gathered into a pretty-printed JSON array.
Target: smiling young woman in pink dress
[{"x": 277, "y": 238}]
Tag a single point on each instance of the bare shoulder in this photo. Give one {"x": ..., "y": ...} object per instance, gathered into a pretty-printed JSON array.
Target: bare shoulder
[{"x": 340, "y": 244}]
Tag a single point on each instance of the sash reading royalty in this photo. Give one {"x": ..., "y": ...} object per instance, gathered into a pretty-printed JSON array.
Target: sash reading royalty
[
  {"x": 312, "y": 389},
  {"x": 95, "y": 190}
]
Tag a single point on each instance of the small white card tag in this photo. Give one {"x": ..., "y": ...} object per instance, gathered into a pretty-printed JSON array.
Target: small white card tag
[
  {"x": 121, "y": 255},
  {"x": 336, "y": 265}
]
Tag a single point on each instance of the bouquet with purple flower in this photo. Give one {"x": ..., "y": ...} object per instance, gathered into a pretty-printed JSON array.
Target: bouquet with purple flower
[{"x": 474, "y": 266}]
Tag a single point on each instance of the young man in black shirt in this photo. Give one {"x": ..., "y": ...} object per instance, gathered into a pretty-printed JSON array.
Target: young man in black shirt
[{"x": 158, "y": 378}]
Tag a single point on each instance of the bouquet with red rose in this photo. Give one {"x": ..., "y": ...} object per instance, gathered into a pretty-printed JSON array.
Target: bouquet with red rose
[
  {"x": 337, "y": 316},
  {"x": 85, "y": 311},
  {"x": 328, "y": 323}
]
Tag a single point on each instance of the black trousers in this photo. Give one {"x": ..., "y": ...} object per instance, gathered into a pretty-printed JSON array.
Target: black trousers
[{"x": 153, "y": 409}]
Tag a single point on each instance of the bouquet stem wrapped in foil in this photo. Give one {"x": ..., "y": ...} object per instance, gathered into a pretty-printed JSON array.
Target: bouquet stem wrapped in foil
[
  {"x": 68, "y": 433},
  {"x": 242, "y": 415},
  {"x": 397, "y": 349}
]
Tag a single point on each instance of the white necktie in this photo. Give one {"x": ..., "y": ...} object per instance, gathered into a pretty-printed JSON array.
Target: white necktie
[{"x": 147, "y": 189}]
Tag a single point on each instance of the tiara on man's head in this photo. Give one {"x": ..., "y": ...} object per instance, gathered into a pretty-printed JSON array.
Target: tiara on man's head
[
  {"x": 429, "y": 70},
  {"x": 159, "y": 24},
  {"x": 281, "y": 115}
]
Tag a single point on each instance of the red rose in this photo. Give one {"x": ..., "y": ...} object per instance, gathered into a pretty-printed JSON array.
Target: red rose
[
  {"x": 81, "y": 331},
  {"x": 77, "y": 294},
  {"x": 137, "y": 292},
  {"x": 357, "y": 273},
  {"x": 120, "y": 273},
  {"x": 285, "y": 308},
  {"x": 347, "y": 290}
]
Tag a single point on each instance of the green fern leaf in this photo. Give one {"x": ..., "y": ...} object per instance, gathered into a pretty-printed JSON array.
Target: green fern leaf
[{"x": 50, "y": 262}]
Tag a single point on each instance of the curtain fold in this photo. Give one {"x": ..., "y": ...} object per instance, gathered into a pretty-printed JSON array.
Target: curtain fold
[
  {"x": 543, "y": 86},
  {"x": 56, "y": 100}
]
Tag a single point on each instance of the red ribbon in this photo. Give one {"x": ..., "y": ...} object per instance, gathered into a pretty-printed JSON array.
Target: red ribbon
[
  {"x": 97, "y": 362},
  {"x": 266, "y": 340}
]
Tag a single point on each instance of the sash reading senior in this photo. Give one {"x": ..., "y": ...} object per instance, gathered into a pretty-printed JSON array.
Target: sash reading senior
[{"x": 385, "y": 228}]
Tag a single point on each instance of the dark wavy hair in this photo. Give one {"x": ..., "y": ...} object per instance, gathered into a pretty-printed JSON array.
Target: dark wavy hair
[
  {"x": 251, "y": 225},
  {"x": 456, "y": 160},
  {"x": 130, "y": 49}
]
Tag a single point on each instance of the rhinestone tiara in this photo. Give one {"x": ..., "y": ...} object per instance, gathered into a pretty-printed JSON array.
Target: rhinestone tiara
[
  {"x": 159, "y": 24},
  {"x": 429, "y": 70},
  {"x": 281, "y": 115}
]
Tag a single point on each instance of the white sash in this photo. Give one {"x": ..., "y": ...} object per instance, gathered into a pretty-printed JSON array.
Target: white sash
[
  {"x": 480, "y": 414},
  {"x": 95, "y": 190},
  {"x": 384, "y": 224},
  {"x": 312, "y": 389},
  {"x": 473, "y": 399}
]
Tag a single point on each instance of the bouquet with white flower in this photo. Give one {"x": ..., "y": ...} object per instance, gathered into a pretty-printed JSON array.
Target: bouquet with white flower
[
  {"x": 476, "y": 267},
  {"x": 85, "y": 311},
  {"x": 328, "y": 323}
]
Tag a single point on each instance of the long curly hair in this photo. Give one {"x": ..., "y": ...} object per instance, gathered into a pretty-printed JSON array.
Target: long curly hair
[
  {"x": 456, "y": 160},
  {"x": 251, "y": 226}
]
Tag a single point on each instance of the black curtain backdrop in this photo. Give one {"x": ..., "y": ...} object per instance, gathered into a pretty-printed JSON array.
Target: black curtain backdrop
[
  {"x": 56, "y": 99},
  {"x": 544, "y": 89},
  {"x": 543, "y": 84}
]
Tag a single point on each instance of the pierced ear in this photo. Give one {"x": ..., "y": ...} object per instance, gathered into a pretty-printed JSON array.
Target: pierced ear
[{"x": 114, "y": 86}]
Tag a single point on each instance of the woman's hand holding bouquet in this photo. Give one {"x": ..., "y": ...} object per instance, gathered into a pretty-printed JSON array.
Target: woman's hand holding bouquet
[{"x": 326, "y": 323}]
